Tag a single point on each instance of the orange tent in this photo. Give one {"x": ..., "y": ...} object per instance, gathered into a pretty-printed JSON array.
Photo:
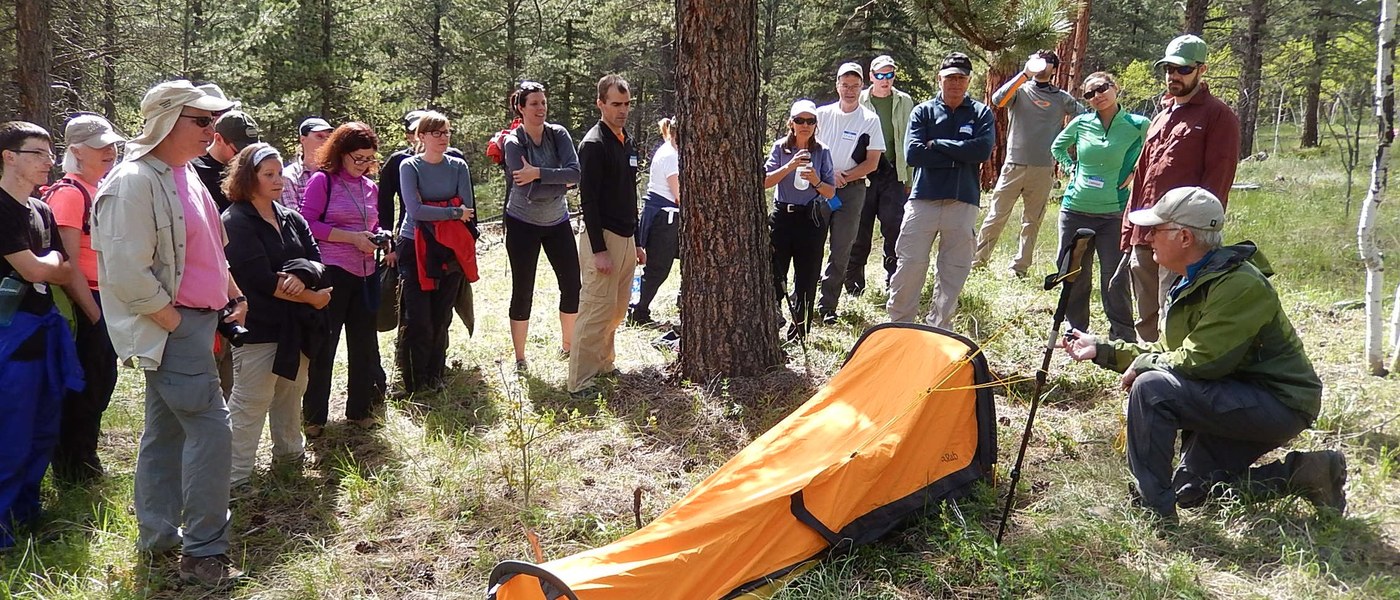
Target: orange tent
[{"x": 907, "y": 423}]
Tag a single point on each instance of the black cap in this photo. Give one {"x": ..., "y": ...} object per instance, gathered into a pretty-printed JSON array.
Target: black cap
[{"x": 955, "y": 62}]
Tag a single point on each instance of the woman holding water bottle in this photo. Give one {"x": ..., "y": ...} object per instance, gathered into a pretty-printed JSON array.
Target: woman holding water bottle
[{"x": 800, "y": 169}]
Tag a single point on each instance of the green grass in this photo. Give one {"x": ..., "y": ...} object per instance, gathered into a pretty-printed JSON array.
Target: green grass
[{"x": 425, "y": 506}]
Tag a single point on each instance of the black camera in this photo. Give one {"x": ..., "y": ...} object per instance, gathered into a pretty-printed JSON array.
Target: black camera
[
  {"x": 231, "y": 330},
  {"x": 382, "y": 239}
]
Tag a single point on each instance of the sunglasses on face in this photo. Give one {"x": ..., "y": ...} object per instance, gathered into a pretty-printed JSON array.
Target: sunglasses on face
[
  {"x": 1186, "y": 70},
  {"x": 1099, "y": 89},
  {"x": 362, "y": 160},
  {"x": 199, "y": 121},
  {"x": 804, "y": 120},
  {"x": 889, "y": 75}
]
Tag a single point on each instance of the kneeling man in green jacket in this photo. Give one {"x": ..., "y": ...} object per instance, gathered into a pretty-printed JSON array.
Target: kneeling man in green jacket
[{"x": 1229, "y": 373}]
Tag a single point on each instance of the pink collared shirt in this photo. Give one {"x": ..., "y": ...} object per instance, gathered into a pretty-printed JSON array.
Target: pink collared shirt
[{"x": 204, "y": 282}]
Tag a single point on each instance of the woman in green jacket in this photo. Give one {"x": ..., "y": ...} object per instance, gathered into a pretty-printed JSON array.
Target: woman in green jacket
[{"x": 1105, "y": 144}]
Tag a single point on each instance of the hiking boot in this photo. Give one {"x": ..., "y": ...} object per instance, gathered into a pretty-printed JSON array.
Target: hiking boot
[
  {"x": 828, "y": 317},
  {"x": 313, "y": 431},
  {"x": 638, "y": 319},
  {"x": 211, "y": 572},
  {"x": 855, "y": 288},
  {"x": 521, "y": 365},
  {"x": 1319, "y": 477}
]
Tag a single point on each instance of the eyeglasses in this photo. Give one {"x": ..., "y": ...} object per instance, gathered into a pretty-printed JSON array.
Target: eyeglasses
[
  {"x": 804, "y": 120},
  {"x": 200, "y": 121},
  {"x": 44, "y": 153},
  {"x": 1099, "y": 89},
  {"x": 361, "y": 161},
  {"x": 441, "y": 133},
  {"x": 1186, "y": 70},
  {"x": 889, "y": 75},
  {"x": 1159, "y": 229}
]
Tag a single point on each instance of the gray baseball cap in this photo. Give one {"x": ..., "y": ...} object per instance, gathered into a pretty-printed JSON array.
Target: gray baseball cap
[{"x": 1190, "y": 206}]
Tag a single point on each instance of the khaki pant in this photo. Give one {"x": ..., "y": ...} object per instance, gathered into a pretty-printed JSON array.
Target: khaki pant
[
  {"x": 1150, "y": 286},
  {"x": 601, "y": 308},
  {"x": 260, "y": 396},
  {"x": 951, "y": 223},
  {"x": 1017, "y": 181}
]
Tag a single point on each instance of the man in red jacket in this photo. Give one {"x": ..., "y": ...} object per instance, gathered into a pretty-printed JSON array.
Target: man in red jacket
[{"x": 1193, "y": 141}]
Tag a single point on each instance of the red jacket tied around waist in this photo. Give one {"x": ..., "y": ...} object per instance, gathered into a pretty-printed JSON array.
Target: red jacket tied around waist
[{"x": 438, "y": 243}]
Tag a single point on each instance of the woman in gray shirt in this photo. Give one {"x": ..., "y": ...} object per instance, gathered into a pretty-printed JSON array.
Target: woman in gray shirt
[
  {"x": 541, "y": 164},
  {"x": 436, "y": 188}
]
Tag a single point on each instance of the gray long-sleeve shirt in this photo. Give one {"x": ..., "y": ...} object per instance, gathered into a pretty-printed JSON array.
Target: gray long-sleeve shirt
[
  {"x": 1037, "y": 115},
  {"x": 421, "y": 180},
  {"x": 541, "y": 202}
]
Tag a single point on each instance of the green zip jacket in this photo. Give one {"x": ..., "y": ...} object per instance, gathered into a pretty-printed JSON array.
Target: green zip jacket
[
  {"x": 1227, "y": 323},
  {"x": 1103, "y": 160},
  {"x": 903, "y": 105}
]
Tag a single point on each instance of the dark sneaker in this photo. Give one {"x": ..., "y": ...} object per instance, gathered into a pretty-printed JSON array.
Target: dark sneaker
[
  {"x": 521, "y": 365},
  {"x": 855, "y": 288},
  {"x": 638, "y": 319},
  {"x": 828, "y": 317},
  {"x": 1320, "y": 477},
  {"x": 212, "y": 572}
]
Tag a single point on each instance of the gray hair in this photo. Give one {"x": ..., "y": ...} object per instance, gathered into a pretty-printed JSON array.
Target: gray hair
[
  {"x": 70, "y": 161},
  {"x": 1206, "y": 239}
]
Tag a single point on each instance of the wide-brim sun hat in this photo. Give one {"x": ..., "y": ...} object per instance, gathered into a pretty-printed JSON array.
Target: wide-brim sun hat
[{"x": 160, "y": 108}]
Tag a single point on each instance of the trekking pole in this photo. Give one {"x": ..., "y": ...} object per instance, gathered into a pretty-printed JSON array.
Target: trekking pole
[{"x": 1070, "y": 258}]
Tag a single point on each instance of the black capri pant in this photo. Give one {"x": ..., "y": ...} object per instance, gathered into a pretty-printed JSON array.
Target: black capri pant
[{"x": 523, "y": 243}]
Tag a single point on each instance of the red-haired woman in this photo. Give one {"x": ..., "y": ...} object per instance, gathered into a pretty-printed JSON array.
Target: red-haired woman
[{"x": 341, "y": 207}]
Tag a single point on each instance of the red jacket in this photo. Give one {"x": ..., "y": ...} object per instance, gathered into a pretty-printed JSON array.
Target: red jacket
[
  {"x": 1197, "y": 144},
  {"x": 437, "y": 244}
]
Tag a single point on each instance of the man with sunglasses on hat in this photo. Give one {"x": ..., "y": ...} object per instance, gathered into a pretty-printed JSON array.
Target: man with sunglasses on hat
[
  {"x": 1229, "y": 373},
  {"x": 311, "y": 135},
  {"x": 1037, "y": 109},
  {"x": 890, "y": 182},
  {"x": 949, "y": 138},
  {"x": 165, "y": 279},
  {"x": 1193, "y": 141}
]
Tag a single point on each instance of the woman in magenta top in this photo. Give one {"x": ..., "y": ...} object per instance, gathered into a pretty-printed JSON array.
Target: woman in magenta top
[{"x": 341, "y": 207}]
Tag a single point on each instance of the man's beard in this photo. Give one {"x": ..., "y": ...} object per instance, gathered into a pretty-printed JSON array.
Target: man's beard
[{"x": 1185, "y": 91}]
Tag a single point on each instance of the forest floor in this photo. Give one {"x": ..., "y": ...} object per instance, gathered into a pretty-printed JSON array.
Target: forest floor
[{"x": 425, "y": 505}]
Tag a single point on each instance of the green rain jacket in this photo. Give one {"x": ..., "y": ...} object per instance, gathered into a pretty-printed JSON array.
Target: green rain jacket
[{"x": 1226, "y": 322}]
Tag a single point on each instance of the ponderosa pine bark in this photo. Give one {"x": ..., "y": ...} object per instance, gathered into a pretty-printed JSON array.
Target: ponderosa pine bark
[
  {"x": 729, "y": 324},
  {"x": 34, "y": 49}
]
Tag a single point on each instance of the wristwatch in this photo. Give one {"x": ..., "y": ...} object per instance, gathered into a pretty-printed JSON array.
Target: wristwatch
[{"x": 238, "y": 300}]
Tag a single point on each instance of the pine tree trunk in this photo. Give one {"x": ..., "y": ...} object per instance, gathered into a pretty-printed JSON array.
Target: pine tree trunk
[
  {"x": 109, "y": 59},
  {"x": 1312, "y": 89},
  {"x": 1073, "y": 48},
  {"x": 325, "y": 80},
  {"x": 1366, "y": 231},
  {"x": 990, "y": 170},
  {"x": 1251, "y": 71},
  {"x": 34, "y": 49},
  {"x": 728, "y": 311},
  {"x": 1195, "y": 18},
  {"x": 439, "y": 58}
]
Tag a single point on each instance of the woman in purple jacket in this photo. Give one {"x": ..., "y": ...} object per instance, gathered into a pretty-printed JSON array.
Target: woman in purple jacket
[{"x": 340, "y": 205}]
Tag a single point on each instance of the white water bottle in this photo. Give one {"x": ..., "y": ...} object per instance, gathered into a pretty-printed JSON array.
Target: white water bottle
[
  {"x": 798, "y": 181},
  {"x": 636, "y": 286}
]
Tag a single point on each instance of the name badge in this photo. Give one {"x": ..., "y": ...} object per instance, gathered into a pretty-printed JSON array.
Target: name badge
[
  {"x": 965, "y": 129},
  {"x": 849, "y": 136},
  {"x": 1093, "y": 182},
  {"x": 632, "y": 160}
]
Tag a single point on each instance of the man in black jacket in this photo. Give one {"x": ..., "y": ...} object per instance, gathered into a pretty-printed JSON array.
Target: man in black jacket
[{"x": 607, "y": 252}]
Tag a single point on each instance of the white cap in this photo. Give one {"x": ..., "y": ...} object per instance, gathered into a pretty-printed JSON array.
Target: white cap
[{"x": 803, "y": 106}]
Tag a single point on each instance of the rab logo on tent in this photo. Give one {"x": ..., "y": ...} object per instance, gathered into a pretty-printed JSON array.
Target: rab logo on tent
[{"x": 950, "y": 456}]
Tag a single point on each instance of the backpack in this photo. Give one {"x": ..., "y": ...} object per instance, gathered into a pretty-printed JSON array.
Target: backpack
[
  {"x": 494, "y": 150},
  {"x": 66, "y": 182}
]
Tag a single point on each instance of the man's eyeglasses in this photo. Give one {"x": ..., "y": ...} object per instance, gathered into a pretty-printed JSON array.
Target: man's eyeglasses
[
  {"x": 44, "y": 153},
  {"x": 358, "y": 160},
  {"x": 1185, "y": 70},
  {"x": 200, "y": 121},
  {"x": 1099, "y": 89},
  {"x": 1157, "y": 230},
  {"x": 804, "y": 120},
  {"x": 441, "y": 133},
  {"x": 889, "y": 75}
]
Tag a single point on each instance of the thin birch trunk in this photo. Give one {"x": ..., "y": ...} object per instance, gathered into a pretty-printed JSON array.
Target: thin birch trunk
[{"x": 1366, "y": 231}]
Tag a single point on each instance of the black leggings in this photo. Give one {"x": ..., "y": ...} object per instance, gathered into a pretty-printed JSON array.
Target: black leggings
[{"x": 523, "y": 243}]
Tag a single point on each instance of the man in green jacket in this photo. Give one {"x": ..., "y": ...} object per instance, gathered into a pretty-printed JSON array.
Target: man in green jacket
[
  {"x": 1229, "y": 372},
  {"x": 889, "y": 184}
]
